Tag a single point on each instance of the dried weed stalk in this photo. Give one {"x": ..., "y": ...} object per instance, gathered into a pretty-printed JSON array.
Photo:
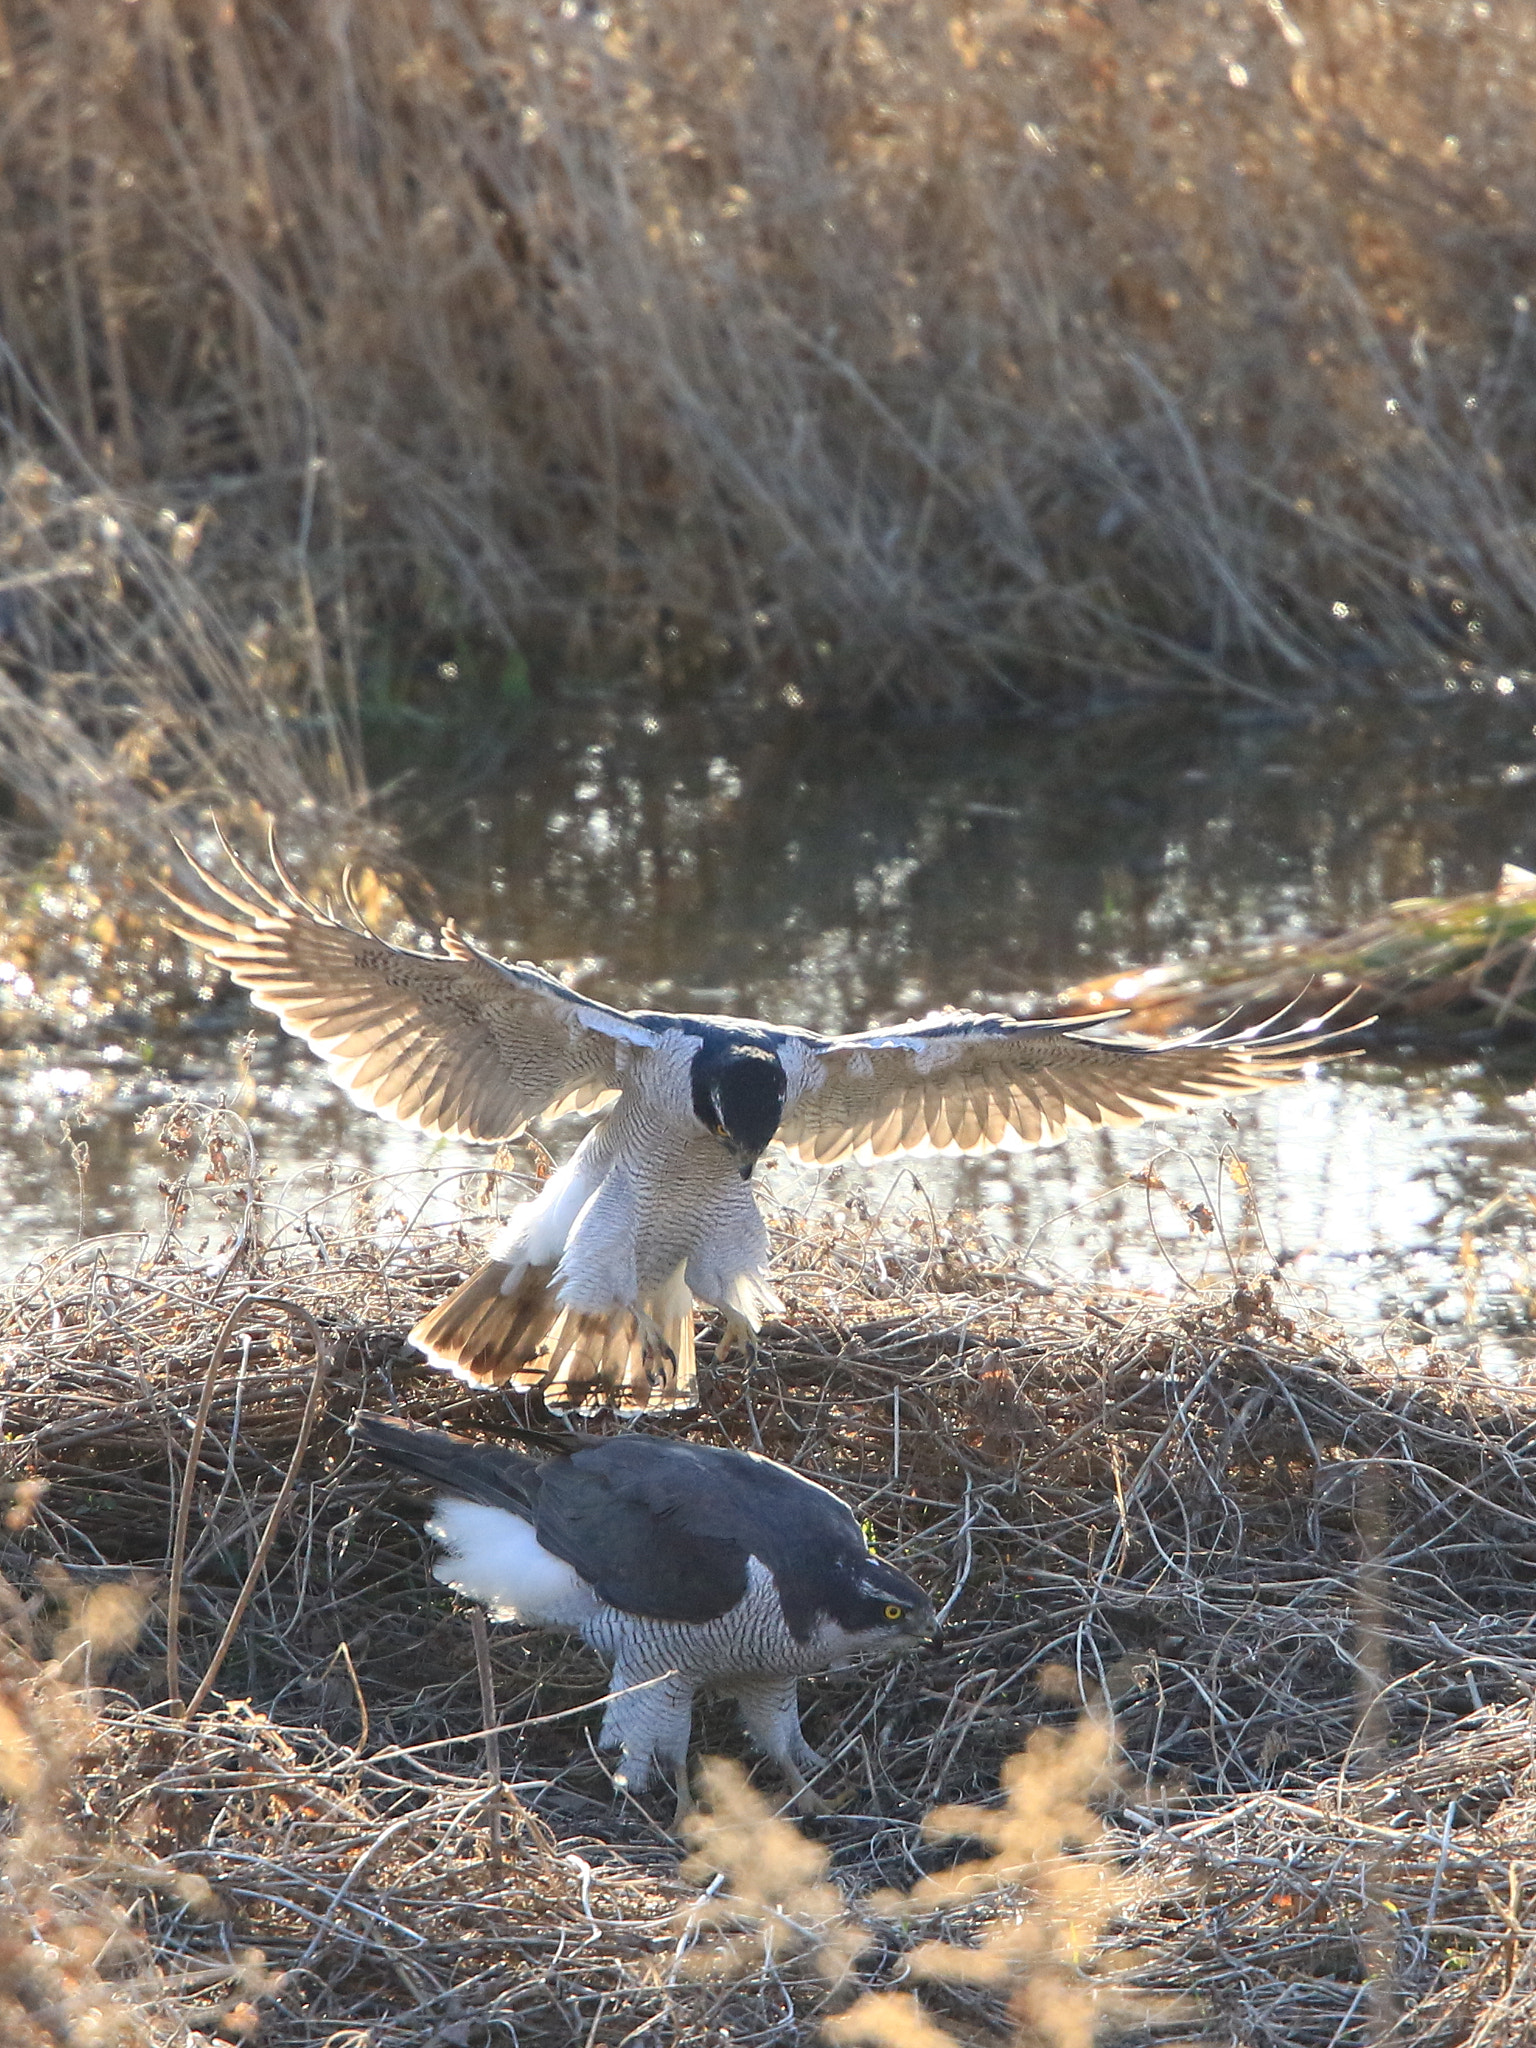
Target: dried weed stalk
[
  {"x": 776, "y": 1895},
  {"x": 1045, "y": 1909},
  {"x": 1026, "y": 1921},
  {"x": 77, "y": 1968},
  {"x": 126, "y": 689}
]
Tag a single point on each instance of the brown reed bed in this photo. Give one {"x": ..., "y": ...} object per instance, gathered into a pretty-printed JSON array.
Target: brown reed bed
[
  {"x": 126, "y": 690},
  {"x": 1426, "y": 969},
  {"x": 1288, "y": 1586},
  {"x": 931, "y": 355}
]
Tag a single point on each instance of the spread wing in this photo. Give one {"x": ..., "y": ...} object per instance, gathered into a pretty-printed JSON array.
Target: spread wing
[
  {"x": 955, "y": 1082},
  {"x": 456, "y": 1042}
]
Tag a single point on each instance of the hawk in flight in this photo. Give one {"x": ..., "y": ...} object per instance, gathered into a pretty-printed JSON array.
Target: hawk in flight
[
  {"x": 684, "y": 1566},
  {"x": 590, "y": 1288}
]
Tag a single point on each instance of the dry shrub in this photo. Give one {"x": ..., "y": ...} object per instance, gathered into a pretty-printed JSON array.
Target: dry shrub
[
  {"x": 888, "y": 2019},
  {"x": 124, "y": 690},
  {"x": 77, "y": 1969},
  {"x": 776, "y": 1894},
  {"x": 923, "y": 352},
  {"x": 1024, "y": 1920},
  {"x": 130, "y": 704},
  {"x": 1037, "y": 1951},
  {"x": 1159, "y": 1498}
]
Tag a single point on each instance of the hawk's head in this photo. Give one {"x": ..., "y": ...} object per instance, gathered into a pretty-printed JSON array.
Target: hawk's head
[
  {"x": 871, "y": 1610},
  {"x": 738, "y": 1094}
]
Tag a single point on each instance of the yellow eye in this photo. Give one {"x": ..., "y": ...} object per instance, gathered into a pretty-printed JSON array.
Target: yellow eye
[{"x": 893, "y": 1612}]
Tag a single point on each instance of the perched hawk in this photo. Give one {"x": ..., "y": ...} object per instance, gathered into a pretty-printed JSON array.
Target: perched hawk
[
  {"x": 589, "y": 1290},
  {"x": 685, "y": 1567}
]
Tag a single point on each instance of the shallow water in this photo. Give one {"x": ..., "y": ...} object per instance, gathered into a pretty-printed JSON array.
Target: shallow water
[{"x": 834, "y": 881}]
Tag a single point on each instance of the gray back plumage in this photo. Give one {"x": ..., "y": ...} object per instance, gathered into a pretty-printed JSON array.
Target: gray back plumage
[
  {"x": 657, "y": 1527},
  {"x": 665, "y": 1528}
]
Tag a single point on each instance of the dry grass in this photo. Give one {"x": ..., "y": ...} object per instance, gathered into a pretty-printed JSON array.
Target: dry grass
[
  {"x": 128, "y": 700},
  {"x": 913, "y": 352},
  {"x": 1317, "y": 1824}
]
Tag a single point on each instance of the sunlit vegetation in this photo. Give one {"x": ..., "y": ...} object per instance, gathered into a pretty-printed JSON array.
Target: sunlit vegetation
[
  {"x": 127, "y": 696},
  {"x": 370, "y": 374},
  {"x": 950, "y": 356},
  {"x": 1425, "y": 967}
]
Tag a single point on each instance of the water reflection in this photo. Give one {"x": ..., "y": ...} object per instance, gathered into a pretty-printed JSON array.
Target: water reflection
[
  {"x": 830, "y": 879},
  {"x": 837, "y": 880}
]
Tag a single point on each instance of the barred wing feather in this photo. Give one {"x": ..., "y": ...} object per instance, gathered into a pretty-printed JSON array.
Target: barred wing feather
[
  {"x": 457, "y": 1043},
  {"x": 957, "y": 1082}
]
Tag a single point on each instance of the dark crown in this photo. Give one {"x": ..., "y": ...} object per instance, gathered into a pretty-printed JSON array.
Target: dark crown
[{"x": 740, "y": 1090}]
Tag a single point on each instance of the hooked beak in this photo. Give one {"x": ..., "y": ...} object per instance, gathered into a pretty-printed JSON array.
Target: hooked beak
[{"x": 745, "y": 1160}]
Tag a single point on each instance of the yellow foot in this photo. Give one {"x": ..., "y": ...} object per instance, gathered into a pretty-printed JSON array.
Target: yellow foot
[
  {"x": 737, "y": 1336},
  {"x": 653, "y": 1338}
]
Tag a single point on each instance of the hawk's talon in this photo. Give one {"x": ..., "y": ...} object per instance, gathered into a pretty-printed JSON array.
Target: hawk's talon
[
  {"x": 738, "y": 1336},
  {"x": 653, "y": 1338}
]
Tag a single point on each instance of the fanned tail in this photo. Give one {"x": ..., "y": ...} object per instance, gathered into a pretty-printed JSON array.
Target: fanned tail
[
  {"x": 493, "y": 1335},
  {"x": 485, "y": 1333}
]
